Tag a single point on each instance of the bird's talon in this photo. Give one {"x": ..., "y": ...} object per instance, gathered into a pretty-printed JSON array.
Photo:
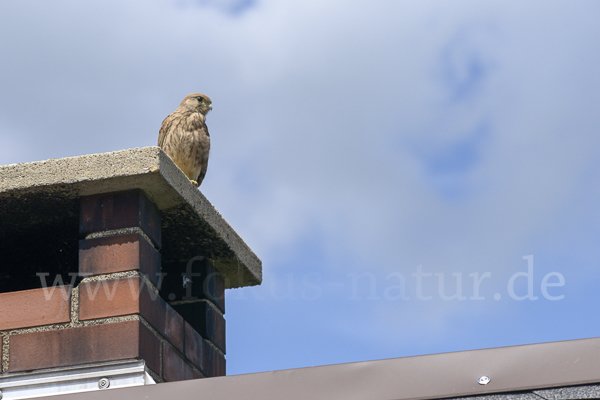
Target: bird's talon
[{"x": 194, "y": 182}]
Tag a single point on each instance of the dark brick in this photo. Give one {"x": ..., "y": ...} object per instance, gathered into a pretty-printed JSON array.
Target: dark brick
[
  {"x": 119, "y": 210},
  {"x": 172, "y": 327},
  {"x": 35, "y": 307},
  {"x": 96, "y": 343},
  {"x": 194, "y": 347},
  {"x": 115, "y": 297},
  {"x": 204, "y": 282},
  {"x": 117, "y": 254},
  {"x": 214, "y": 361},
  {"x": 219, "y": 365},
  {"x": 205, "y": 318},
  {"x": 175, "y": 368}
]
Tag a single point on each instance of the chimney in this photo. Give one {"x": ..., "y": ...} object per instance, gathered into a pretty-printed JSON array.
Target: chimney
[{"x": 113, "y": 270}]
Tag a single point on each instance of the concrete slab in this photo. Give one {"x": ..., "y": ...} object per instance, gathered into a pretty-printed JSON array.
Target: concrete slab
[{"x": 44, "y": 197}]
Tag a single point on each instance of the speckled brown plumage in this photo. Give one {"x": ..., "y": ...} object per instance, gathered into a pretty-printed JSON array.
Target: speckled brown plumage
[{"x": 184, "y": 136}]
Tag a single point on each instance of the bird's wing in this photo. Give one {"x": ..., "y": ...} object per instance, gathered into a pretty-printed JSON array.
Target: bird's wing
[
  {"x": 206, "y": 148},
  {"x": 202, "y": 174},
  {"x": 164, "y": 128}
]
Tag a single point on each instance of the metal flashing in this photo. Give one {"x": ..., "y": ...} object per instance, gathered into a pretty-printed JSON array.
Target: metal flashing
[
  {"x": 74, "y": 379},
  {"x": 520, "y": 369}
]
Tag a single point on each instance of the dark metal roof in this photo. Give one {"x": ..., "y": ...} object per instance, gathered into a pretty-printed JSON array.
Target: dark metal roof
[{"x": 546, "y": 370}]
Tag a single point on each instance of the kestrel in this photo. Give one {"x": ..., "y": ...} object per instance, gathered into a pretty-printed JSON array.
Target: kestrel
[{"x": 184, "y": 136}]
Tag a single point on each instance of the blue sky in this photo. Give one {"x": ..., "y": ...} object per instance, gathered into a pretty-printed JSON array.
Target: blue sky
[{"x": 376, "y": 156}]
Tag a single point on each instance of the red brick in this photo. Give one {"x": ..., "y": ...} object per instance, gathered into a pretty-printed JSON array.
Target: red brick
[
  {"x": 117, "y": 254},
  {"x": 175, "y": 368},
  {"x": 118, "y": 210},
  {"x": 194, "y": 347},
  {"x": 115, "y": 297},
  {"x": 35, "y": 307},
  {"x": 110, "y": 298},
  {"x": 96, "y": 343}
]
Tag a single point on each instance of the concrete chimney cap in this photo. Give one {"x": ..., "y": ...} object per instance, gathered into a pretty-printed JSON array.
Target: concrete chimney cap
[{"x": 44, "y": 192}]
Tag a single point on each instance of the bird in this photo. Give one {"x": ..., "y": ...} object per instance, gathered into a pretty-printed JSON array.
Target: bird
[{"x": 184, "y": 136}]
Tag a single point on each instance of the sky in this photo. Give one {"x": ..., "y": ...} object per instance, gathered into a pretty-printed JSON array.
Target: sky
[{"x": 416, "y": 176}]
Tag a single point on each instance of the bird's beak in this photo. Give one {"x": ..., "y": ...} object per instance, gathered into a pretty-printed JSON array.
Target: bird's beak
[{"x": 210, "y": 107}]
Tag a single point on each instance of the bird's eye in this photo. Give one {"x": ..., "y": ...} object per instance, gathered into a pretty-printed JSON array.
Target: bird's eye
[{"x": 199, "y": 99}]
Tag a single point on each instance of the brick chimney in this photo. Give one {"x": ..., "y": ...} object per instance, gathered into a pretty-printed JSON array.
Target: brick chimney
[{"x": 113, "y": 270}]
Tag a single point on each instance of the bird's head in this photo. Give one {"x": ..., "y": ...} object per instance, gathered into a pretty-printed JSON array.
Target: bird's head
[{"x": 197, "y": 102}]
